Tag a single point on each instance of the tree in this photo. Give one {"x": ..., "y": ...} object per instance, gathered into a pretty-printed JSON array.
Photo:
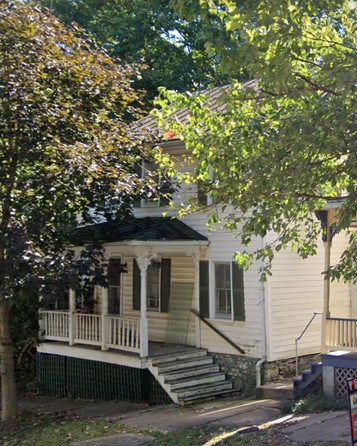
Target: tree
[
  {"x": 286, "y": 143},
  {"x": 65, "y": 151},
  {"x": 149, "y": 32}
]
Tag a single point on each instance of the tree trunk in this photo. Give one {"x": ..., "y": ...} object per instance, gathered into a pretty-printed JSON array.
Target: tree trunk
[{"x": 7, "y": 369}]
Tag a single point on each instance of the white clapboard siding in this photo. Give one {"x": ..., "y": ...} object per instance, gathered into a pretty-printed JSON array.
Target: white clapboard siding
[
  {"x": 247, "y": 334},
  {"x": 295, "y": 292},
  {"x": 181, "y": 301}
]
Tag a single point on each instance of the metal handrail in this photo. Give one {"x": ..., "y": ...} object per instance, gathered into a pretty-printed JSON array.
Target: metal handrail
[
  {"x": 298, "y": 339},
  {"x": 216, "y": 330}
]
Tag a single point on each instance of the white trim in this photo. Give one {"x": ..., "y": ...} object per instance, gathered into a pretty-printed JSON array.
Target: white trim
[
  {"x": 168, "y": 243},
  {"x": 93, "y": 354}
]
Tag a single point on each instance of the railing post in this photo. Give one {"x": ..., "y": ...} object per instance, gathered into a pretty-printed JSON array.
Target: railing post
[
  {"x": 41, "y": 323},
  {"x": 71, "y": 316},
  {"x": 104, "y": 318}
]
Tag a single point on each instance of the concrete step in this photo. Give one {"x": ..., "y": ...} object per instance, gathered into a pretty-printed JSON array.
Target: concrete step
[
  {"x": 194, "y": 353},
  {"x": 206, "y": 378},
  {"x": 190, "y": 372},
  {"x": 278, "y": 390},
  {"x": 199, "y": 390},
  {"x": 185, "y": 364}
]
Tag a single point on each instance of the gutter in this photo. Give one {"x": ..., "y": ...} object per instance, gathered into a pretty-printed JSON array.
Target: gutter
[{"x": 258, "y": 374}]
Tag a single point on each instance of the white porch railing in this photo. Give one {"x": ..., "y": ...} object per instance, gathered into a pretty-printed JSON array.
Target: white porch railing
[
  {"x": 77, "y": 328},
  {"x": 341, "y": 334},
  {"x": 124, "y": 333},
  {"x": 55, "y": 324},
  {"x": 87, "y": 329}
]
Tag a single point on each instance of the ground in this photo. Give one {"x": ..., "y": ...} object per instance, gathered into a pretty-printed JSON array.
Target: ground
[{"x": 47, "y": 421}]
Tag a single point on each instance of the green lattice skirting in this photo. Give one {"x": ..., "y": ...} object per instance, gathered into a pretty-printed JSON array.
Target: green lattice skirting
[{"x": 80, "y": 378}]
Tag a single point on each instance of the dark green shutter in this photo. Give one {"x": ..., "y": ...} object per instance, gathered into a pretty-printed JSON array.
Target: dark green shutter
[
  {"x": 165, "y": 284},
  {"x": 204, "y": 288},
  {"x": 136, "y": 286},
  {"x": 238, "y": 293}
]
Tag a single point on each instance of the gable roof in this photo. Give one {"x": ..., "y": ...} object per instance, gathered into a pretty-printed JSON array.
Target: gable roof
[
  {"x": 140, "y": 229},
  {"x": 214, "y": 100}
]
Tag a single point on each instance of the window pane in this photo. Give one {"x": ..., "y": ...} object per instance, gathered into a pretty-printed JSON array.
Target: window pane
[
  {"x": 114, "y": 272},
  {"x": 153, "y": 287},
  {"x": 223, "y": 305}
]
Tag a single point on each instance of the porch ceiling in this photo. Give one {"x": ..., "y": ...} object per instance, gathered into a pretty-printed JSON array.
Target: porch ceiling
[{"x": 140, "y": 229}]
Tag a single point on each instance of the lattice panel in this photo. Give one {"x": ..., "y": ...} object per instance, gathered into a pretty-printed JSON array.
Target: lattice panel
[{"x": 341, "y": 376}]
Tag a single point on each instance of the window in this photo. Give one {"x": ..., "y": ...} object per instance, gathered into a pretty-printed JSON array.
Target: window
[
  {"x": 158, "y": 282},
  {"x": 223, "y": 291},
  {"x": 114, "y": 284},
  {"x": 153, "y": 286},
  {"x": 164, "y": 186},
  {"x": 224, "y": 299}
]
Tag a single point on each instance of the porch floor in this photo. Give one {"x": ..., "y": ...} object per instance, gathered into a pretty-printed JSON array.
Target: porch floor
[{"x": 84, "y": 351}]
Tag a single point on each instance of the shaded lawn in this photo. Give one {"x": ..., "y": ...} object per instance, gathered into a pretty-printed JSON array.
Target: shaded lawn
[{"x": 62, "y": 429}]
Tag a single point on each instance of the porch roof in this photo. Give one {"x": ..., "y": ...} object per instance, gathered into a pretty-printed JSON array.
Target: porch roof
[{"x": 140, "y": 229}]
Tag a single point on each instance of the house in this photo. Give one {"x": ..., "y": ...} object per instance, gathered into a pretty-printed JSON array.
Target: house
[{"x": 180, "y": 320}]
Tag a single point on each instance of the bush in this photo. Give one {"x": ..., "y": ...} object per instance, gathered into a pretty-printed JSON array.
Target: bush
[{"x": 315, "y": 402}]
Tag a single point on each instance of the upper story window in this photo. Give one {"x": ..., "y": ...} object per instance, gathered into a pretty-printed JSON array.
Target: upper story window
[{"x": 164, "y": 186}]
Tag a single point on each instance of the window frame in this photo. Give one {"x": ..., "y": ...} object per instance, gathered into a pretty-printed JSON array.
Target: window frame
[
  {"x": 156, "y": 309},
  {"x": 217, "y": 315},
  {"x": 207, "y": 291}
]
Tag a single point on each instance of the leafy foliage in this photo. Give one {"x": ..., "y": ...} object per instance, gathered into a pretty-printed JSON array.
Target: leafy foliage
[
  {"x": 285, "y": 145},
  {"x": 150, "y": 32},
  {"x": 65, "y": 147}
]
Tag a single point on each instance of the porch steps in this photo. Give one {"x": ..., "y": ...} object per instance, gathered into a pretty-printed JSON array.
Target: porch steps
[
  {"x": 307, "y": 377},
  {"x": 189, "y": 376}
]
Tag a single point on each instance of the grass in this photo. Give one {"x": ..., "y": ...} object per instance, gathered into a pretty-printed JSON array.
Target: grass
[
  {"x": 31, "y": 429},
  {"x": 229, "y": 437},
  {"x": 55, "y": 430},
  {"x": 315, "y": 402},
  {"x": 37, "y": 429}
]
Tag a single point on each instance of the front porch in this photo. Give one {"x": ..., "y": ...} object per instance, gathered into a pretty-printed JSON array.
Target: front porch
[{"x": 103, "y": 330}]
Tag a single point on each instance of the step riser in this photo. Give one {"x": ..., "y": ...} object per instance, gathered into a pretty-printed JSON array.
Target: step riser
[
  {"x": 205, "y": 396},
  {"x": 185, "y": 365},
  {"x": 211, "y": 368},
  {"x": 197, "y": 382},
  {"x": 203, "y": 390}
]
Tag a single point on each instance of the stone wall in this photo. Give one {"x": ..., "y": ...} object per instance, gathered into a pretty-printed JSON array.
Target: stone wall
[
  {"x": 286, "y": 368},
  {"x": 240, "y": 369}
]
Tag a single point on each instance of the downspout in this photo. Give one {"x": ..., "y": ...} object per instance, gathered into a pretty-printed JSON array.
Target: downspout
[{"x": 262, "y": 360}]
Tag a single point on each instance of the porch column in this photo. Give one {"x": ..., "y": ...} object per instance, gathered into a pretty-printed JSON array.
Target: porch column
[
  {"x": 104, "y": 318},
  {"x": 143, "y": 262},
  {"x": 326, "y": 296},
  {"x": 71, "y": 315},
  {"x": 197, "y": 300}
]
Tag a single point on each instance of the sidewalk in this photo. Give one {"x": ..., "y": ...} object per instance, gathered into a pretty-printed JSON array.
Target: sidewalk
[{"x": 227, "y": 413}]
